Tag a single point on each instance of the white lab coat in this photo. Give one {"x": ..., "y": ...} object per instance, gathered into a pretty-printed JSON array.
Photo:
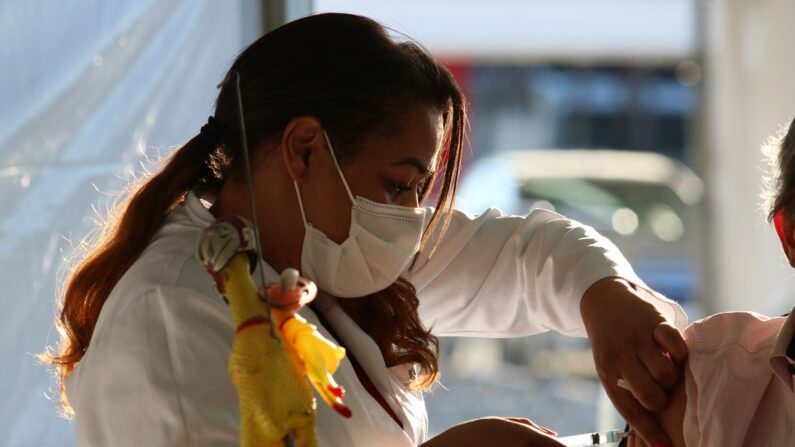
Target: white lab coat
[{"x": 155, "y": 373}]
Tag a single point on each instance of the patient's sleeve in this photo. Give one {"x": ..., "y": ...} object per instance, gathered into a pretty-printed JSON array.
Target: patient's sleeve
[{"x": 733, "y": 397}]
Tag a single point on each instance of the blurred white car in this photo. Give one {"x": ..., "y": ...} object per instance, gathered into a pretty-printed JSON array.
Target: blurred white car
[{"x": 646, "y": 203}]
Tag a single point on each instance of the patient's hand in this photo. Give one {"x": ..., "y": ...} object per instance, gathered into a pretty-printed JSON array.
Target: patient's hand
[{"x": 670, "y": 418}]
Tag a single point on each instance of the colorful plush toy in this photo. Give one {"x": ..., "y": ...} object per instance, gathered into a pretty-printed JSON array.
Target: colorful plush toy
[{"x": 273, "y": 352}]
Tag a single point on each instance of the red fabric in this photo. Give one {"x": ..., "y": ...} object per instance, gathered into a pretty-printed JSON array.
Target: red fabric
[
  {"x": 370, "y": 387},
  {"x": 252, "y": 322}
]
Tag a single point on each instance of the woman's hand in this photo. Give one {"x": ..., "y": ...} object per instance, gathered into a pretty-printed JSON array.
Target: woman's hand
[
  {"x": 632, "y": 340},
  {"x": 507, "y": 432}
]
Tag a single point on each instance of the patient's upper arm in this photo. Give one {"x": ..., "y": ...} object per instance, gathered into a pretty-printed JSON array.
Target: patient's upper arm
[{"x": 673, "y": 416}]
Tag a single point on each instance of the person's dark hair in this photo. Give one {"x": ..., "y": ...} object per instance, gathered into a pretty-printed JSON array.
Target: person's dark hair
[
  {"x": 342, "y": 69},
  {"x": 780, "y": 183}
]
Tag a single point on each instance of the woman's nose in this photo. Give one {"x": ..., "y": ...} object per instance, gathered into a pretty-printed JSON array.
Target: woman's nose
[{"x": 410, "y": 200}]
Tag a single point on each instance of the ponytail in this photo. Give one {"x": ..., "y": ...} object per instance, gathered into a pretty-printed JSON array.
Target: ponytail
[{"x": 110, "y": 249}]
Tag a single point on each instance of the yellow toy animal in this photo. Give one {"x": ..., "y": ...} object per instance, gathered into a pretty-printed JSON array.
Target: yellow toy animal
[
  {"x": 267, "y": 365},
  {"x": 319, "y": 355}
]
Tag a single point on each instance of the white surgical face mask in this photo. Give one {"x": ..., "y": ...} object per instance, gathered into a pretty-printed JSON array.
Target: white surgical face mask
[{"x": 381, "y": 243}]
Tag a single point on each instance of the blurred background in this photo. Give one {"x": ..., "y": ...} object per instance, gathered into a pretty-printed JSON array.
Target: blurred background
[{"x": 643, "y": 119}]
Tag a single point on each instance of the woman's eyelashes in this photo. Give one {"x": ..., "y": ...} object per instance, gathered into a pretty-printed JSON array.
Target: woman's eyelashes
[
  {"x": 397, "y": 188},
  {"x": 400, "y": 187}
]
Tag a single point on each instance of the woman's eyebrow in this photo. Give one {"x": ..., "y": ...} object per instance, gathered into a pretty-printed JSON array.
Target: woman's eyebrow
[{"x": 413, "y": 161}]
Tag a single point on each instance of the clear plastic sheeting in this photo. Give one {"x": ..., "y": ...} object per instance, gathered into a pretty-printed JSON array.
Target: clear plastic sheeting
[{"x": 87, "y": 88}]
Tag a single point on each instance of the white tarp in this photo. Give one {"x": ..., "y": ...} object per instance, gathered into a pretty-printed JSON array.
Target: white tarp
[{"x": 85, "y": 86}]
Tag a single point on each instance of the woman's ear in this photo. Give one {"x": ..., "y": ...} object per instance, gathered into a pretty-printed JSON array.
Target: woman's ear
[{"x": 301, "y": 138}]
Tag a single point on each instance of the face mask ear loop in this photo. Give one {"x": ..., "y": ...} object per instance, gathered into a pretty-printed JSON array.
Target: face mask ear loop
[
  {"x": 300, "y": 202},
  {"x": 337, "y": 165}
]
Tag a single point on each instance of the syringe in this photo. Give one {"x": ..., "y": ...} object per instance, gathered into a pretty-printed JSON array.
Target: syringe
[{"x": 589, "y": 439}]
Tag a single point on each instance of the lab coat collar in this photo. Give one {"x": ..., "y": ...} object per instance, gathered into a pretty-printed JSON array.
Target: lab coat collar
[
  {"x": 197, "y": 209},
  {"x": 779, "y": 360},
  {"x": 366, "y": 352}
]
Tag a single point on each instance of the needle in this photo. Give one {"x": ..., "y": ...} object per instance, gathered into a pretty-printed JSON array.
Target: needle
[{"x": 598, "y": 438}]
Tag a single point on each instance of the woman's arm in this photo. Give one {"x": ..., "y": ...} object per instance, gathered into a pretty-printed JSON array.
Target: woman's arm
[
  {"x": 156, "y": 374},
  {"x": 503, "y": 275}
]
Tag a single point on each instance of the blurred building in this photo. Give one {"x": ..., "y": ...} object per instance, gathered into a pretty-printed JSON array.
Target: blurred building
[
  {"x": 750, "y": 68},
  {"x": 702, "y": 81}
]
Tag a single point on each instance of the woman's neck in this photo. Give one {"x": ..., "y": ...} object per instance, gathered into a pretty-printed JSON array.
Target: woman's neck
[{"x": 280, "y": 238}]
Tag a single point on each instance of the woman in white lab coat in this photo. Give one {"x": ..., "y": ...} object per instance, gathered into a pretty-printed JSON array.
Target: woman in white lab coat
[{"x": 350, "y": 136}]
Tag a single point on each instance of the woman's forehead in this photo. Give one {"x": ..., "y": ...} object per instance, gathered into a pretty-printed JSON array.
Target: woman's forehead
[{"x": 416, "y": 141}]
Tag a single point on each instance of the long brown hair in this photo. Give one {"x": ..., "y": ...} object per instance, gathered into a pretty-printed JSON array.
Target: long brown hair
[
  {"x": 341, "y": 68},
  {"x": 779, "y": 190}
]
